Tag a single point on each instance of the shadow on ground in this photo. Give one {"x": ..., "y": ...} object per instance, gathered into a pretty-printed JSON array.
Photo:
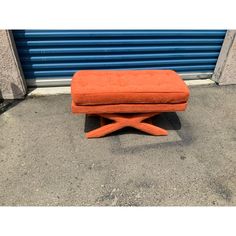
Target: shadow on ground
[
  {"x": 168, "y": 121},
  {"x": 6, "y": 104}
]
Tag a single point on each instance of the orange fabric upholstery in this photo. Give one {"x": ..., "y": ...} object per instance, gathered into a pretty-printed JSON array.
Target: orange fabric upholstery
[
  {"x": 128, "y": 108},
  {"x": 120, "y": 121},
  {"x": 144, "y": 93},
  {"x": 128, "y": 87}
]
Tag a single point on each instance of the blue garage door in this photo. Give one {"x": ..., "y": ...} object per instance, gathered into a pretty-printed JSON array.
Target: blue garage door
[{"x": 50, "y": 57}]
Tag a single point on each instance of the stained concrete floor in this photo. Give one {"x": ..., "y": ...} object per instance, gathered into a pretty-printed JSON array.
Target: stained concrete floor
[{"x": 46, "y": 160}]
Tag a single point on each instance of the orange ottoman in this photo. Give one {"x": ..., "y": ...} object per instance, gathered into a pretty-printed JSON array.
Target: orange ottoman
[{"x": 127, "y": 97}]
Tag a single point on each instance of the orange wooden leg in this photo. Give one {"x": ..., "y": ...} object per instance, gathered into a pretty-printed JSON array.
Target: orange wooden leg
[
  {"x": 128, "y": 120},
  {"x": 104, "y": 130},
  {"x": 150, "y": 129}
]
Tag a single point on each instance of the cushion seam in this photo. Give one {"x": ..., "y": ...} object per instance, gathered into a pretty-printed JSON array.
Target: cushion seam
[{"x": 123, "y": 93}]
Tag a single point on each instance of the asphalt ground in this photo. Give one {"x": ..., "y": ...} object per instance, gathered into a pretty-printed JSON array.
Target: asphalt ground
[{"x": 45, "y": 158}]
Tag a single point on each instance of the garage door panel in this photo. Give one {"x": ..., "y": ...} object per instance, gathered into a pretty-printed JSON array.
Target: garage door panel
[{"x": 48, "y": 54}]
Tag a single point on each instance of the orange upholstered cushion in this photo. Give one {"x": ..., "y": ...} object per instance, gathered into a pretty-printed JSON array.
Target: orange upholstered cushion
[
  {"x": 100, "y": 87},
  {"x": 127, "y": 108}
]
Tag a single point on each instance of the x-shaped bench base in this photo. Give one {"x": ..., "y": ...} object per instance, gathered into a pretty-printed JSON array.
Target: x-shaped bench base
[{"x": 126, "y": 120}]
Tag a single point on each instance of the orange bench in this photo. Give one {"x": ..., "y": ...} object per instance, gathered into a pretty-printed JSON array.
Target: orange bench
[{"x": 128, "y": 98}]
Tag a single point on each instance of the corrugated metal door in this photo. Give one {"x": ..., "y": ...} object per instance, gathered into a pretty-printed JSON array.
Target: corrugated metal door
[{"x": 50, "y": 57}]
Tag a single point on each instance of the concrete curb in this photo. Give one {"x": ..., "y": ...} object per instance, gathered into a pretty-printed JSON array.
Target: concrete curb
[{"x": 33, "y": 92}]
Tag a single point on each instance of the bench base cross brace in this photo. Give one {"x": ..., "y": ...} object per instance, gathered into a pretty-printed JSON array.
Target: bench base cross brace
[{"x": 126, "y": 120}]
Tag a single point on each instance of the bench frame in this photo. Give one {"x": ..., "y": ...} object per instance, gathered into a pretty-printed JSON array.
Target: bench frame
[
  {"x": 128, "y": 111},
  {"x": 120, "y": 121},
  {"x": 137, "y": 116}
]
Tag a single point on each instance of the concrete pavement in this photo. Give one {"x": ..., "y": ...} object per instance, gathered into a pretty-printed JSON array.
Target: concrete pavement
[{"x": 46, "y": 160}]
